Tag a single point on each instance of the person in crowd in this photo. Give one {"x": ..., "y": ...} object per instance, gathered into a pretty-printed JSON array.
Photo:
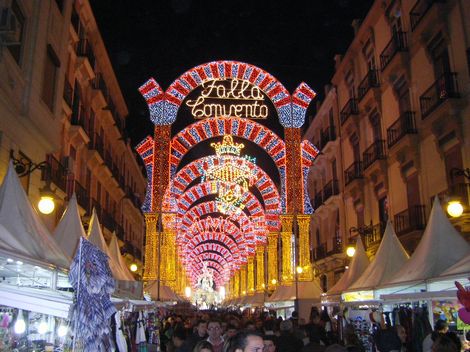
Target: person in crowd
[
  {"x": 440, "y": 328},
  {"x": 245, "y": 341},
  {"x": 336, "y": 348},
  {"x": 250, "y": 326},
  {"x": 231, "y": 331},
  {"x": 351, "y": 341},
  {"x": 295, "y": 319},
  {"x": 179, "y": 341},
  {"x": 445, "y": 343},
  {"x": 199, "y": 334},
  {"x": 268, "y": 327},
  {"x": 287, "y": 341},
  {"x": 387, "y": 340},
  {"x": 401, "y": 332},
  {"x": 215, "y": 335},
  {"x": 314, "y": 345},
  {"x": 269, "y": 342},
  {"x": 203, "y": 346}
]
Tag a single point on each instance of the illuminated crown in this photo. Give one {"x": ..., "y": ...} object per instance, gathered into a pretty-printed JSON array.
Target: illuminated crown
[{"x": 227, "y": 146}]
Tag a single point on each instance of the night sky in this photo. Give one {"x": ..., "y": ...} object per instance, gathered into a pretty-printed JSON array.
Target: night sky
[{"x": 295, "y": 41}]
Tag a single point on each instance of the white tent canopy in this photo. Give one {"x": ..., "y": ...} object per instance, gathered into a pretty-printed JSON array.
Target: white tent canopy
[
  {"x": 440, "y": 247},
  {"x": 305, "y": 290},
  {"x": 357, "y": 266},
  {"x": 390, "y": 257},
  {"x": 69, "y": 230},
  {"x": 115, "y": 253},
  {"x": 460, "y": 268},
  {"x": 95, "y": 236},
  {"x": 166, "y": 293},
  {"x": 20, "y": 220}
]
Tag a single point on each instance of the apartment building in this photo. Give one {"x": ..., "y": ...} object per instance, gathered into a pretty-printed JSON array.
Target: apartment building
[
  {"x": 400, "y": 98},
  {"x": 61, "y": 108}
]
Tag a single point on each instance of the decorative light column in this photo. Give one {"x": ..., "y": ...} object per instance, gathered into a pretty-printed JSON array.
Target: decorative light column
[
  {"x": 236, "y": 284},
  {"x": 169, "y": 262},
  {"x": 272, "y": 260},
  {"x": 304, "y": 248},
  {"x": 251, "y": 276},
  {"x": 243, "y": 288},
  {"x": 286, "y": 237},
  {"x": 260, "y": 269},
  {"x": 151, "y": 252}
]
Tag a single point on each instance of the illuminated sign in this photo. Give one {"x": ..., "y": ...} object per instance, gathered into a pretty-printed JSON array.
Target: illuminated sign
[
  {"x": 358, "y": 296},
  {"x": 229, "y": 98}
]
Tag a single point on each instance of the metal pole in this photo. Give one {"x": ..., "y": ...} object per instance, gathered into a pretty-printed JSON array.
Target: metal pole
[{"x": 296, "y": 243}]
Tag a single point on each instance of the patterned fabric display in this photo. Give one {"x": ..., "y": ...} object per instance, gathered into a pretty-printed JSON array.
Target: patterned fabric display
[{"x": 92, "y": 281}]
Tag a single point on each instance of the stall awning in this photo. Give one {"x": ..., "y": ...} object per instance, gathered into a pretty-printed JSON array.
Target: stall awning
[
  {"x": 419, "y": 296},
  {"x": 305, "y": 290}
]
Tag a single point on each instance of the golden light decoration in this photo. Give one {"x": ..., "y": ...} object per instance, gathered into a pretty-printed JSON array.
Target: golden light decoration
[
  {"x": 299, "y": 270},
  {"x": 133, "y": 267},
  {"x": 455, "y": 208}
]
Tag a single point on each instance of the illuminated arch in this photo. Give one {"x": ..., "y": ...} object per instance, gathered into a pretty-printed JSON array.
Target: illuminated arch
[{"x": 164, "y": 106}]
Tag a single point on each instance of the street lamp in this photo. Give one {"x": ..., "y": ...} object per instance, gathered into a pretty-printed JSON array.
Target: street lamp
[
  {"x": 133, "y": 267},
  {"x": 24, "y": 167},
  {"x": 454, "y": 206},
  {"x": 350, "y": 251}
]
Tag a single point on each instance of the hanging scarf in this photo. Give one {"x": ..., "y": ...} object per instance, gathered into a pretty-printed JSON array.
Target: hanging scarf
[{"x": 92, "y": 281}]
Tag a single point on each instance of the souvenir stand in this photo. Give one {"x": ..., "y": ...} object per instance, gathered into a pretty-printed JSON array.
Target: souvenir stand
[
  {"x": 361, "y": 295},
  {"x": 417, "y": 298},
  {"x": 283, "y": 299},
  {"x": 33, "y": 293},
  {"x": 332, "y": 298}
]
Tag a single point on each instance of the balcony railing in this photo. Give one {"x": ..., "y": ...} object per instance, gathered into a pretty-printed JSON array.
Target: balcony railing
[
  {"x": 320, "y": 251},
  {"x": 82, "y": 195},
  {"x": 55, "y": 172},
  {"x": 443, "y": 88},
  {"x": 397, "y": 43},
  {"x": 404, "y": 125},
  {"x": 97, "y": 144},
  {"x": 100, "y": 84},
  {"x": 349, "y": 109},
  {"x": 68, "y": 93},
  {"x": 330, "y": 189},
  {"x": 80, "y": 118},
  {"x": 108, "y": 160},
  {"x": 375, "y": 151},
  {"x": 119, "y": 232},
  {"x": 318, "y": 199},
  {"x": 353, "y": 172},
  {"x": 419, "y": 10},
  {"x": 411, "y": 219},
  {"x": 327, "y": 135},
  {"x": 371, "y": 80},
  {"x": 84, "y": 49},
  {"x": 373, "y": 234},
  {"x": 108, "y": 221},
  {"x": 336, "y": 248}
]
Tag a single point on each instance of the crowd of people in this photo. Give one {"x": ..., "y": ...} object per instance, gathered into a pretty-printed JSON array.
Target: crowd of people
[{"x": 232, "y": 332}]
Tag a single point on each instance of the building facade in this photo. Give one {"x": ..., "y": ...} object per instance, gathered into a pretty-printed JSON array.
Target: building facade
[
  {"x": 400, "y": 104},
  {"x": 60, "y": 102}
]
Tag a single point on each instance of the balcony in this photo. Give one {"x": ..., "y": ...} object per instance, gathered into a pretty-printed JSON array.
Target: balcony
[
  {"x": 371, "y": 80},
  {"x": 376, "y": 151},
  {"x": 82, "y": 195},
  {"x": 119, "y": 232},
  {"x": 68, "y": 93},
  {"x": 330, "y": 189},
  {"x": 320, "y": 251},
  {"x": 373, "y": 234},
  {"x": 411, "y": 219},
  {"x": 419, "y": 10},
  {"x": 349, "y": 109},
  {"x": 96, "y": 143},
  {"x": 353, "y": 172},
  {"x": 56, "y": 173},
  {"x": 100, "y": 90},
  {"x": 404, "y": 125},
  {"x": 80, "y": 118},
  {"x": 84, "y": 50},
  {"x": 398, "y": 43},
  {"x": 318, "y": 200},
  {"x": 444, "y": 88},
  {"x": 327, "y": 135},
  {"x": 108, "y": 220},
  {"x": 336, "y": 248}
]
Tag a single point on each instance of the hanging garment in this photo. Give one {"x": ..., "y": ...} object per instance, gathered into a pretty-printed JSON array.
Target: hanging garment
[
  {"x": 121, "y": 343},
  {"x": 140, "y": 332}
]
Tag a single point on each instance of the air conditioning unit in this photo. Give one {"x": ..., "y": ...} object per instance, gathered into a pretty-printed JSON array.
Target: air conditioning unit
[{"x": 9, "y": 26}]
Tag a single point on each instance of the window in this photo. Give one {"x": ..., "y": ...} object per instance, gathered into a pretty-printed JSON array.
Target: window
[
  {"x": 374, "y": 118},
  {"x": 368, "y": 51},
  {"x": 15, "y": 49},
  {"x": 49, "y": 80}
]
